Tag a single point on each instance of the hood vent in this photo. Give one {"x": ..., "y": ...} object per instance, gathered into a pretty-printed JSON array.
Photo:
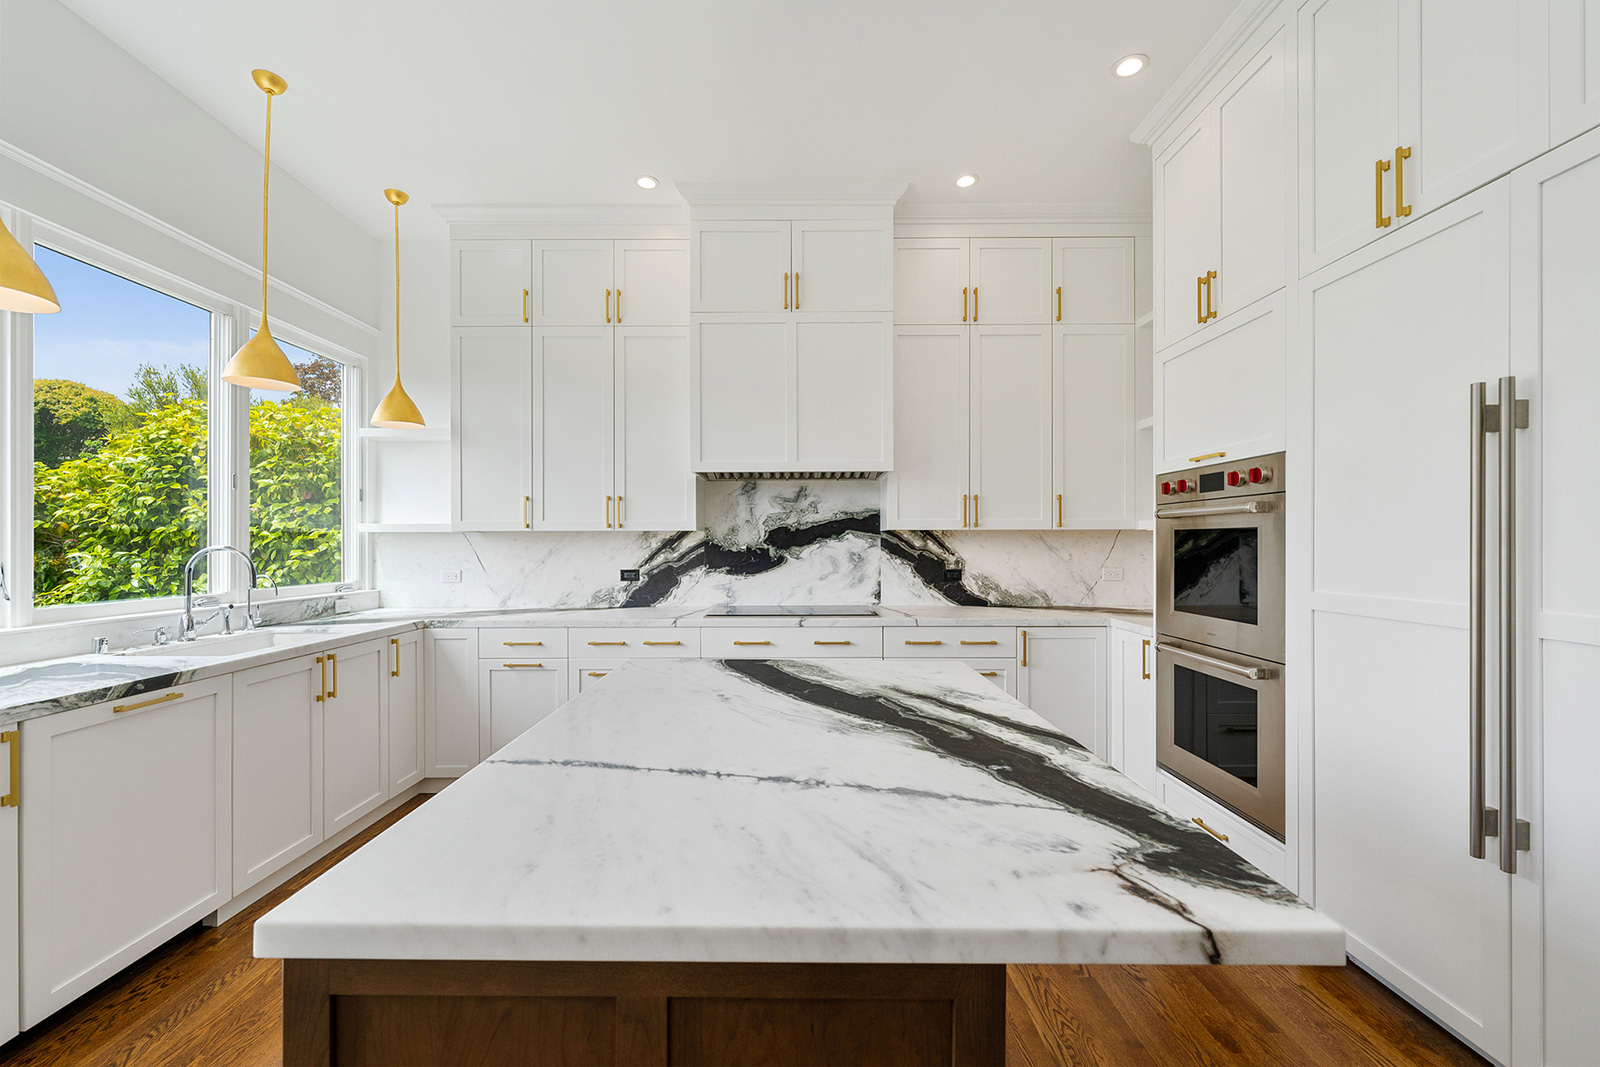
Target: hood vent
[{"x": 789, "y": 476}]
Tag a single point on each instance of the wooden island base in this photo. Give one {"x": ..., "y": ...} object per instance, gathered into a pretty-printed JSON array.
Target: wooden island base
[{"x": 395, "y": 1012}]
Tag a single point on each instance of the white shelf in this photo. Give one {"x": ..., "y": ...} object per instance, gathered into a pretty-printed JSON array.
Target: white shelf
[
  {"x": 402, "y": 527},
  {"x": 384, "y": 433}
]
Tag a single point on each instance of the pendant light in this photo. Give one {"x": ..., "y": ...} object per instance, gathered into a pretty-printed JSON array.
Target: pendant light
[
  {"x": 261, "y": 364},
  {"x": 23, "y": 286},
  {"x": 396, "y": 410}
]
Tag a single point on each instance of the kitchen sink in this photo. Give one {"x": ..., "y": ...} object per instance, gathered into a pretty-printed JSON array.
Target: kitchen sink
[{"x": 225, "y": 645}]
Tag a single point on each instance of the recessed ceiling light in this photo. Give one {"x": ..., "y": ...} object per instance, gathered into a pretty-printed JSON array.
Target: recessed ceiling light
[
  {"x": 644, "y": 181},
  {"x": 1128, "y": 66},
  {"x": 966, "y": 181}
]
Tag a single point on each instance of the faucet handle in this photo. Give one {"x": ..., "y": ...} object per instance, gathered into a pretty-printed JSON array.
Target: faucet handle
[
  {"x": 159, "y": 633},
  {"x": 102, "y": 645}
]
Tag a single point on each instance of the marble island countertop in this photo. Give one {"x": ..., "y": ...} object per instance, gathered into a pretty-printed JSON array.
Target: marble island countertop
[{"x": 787, "y": 810}]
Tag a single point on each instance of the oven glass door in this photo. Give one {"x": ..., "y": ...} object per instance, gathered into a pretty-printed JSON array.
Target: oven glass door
[{"x": 1219, "y": 579}]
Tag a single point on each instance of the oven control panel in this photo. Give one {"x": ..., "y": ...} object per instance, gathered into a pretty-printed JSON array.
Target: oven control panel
[{"x": 1223, "y": 479}]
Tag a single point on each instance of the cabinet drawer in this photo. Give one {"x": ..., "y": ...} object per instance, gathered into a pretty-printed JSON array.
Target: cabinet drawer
[
  {"x": 1002, "y": 672},
  {"x": 1245, "y": 838},
  {"x": 957, "y": 642},
  {"x": 583, "y": 673},
  {"x": 795, "y": 642},
  {"x": 635, "y": 642},
  {"x": 523, "y": 643}
]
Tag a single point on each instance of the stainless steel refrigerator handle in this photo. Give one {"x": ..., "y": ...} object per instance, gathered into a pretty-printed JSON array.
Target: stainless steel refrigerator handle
[
  {"x": 1256, "y": 673},
  {"x": 1515, "y": 832},
  {"x": 1253, "y": 507},
  {"x": 1481, "y": 822}
]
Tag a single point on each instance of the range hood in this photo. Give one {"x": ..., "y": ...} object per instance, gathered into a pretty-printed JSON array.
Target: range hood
[{"x": 791, "y": 476}]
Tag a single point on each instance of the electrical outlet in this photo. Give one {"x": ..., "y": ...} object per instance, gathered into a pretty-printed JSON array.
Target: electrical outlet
[
  {"x": 630, "y": 574},
  {"x": 450, "y": 577},
  {"x": 1111, "y": 574},
  {"x": 952, "y": 574}
]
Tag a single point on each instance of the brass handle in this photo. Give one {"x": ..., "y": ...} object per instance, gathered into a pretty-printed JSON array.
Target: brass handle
[
  {"x": 608, "y": 642},
  {"x": 1200, "y": 298},
  {"x": 963, "y": 303},
  {"x": 974, "y": 303},
  {"x": 797, "y": 290},
  {"x": 525, "y": 502},
  {"x": 519, "y": 644},
  {"x": 990, "y": 674},
  {"x": 1208, "y": 455},
  {"x": 394, "y": 642},
  {"x": 598, "y": 674},
  {"x": 1381, "y": 166},
  {"x": 515, "y": 666},
  {"x": 1144, "y": 658},
  {"x": 830, "y": 642},
  {"x": 619, "y": 500},
  {"x": 752, "y": 642},
  {"x": 322, "y": 690},
  {"x": 1058, "y": 509},
  {"x": 1024, "y": 648},
  {"x": 608, "y": 513},
  {"x": 1211, "y": 311},
  {"x": 1202, "y": 824},
  {"x": 963, "y": 510},
  {"x": 991, "y": 641},
  {"x": 14, "y": 794},
  {"x": 924, "y": 642},
  {"x": 1058, "y": 303},
  {"x": 1401, "y": 208},
  {"x": 608, "y": 305},
  {"x": 974, "y": 511},
  {"x": 786, "y": 290},
  {"x": 333, "y": 661},
  {"x": 619, "y": 307},
  {"x": 524, "y": 305},
  {"x": 147, "y": 703},
  {"x": 663, "y": 642}
]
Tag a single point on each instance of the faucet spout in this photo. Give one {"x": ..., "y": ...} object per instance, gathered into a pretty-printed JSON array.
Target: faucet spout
[{"x": 186, "y": 625}]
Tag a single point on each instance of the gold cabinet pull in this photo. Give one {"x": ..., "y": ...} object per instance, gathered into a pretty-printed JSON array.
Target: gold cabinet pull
[
  {"x": 991, "y": 641},
  {"x": 830, "y": 642},
  {"x": 515, "y": 666},
  {"x": 1381, "y": 166},
  {"x": 797, "y": 290},
  {"x": 165, "y": 699},
  {"x": 608, "y": 513},
  {"x": 1144, "y": 659},
  {"x": 519, "y": 644},
  {"x": 13, "y": 795},
  {"x": 963, "y": 303},
  {"x": 1199, "y": 298},
  {"x": 963, "y": 510},
  {"x": 663, "y": 642},
  {"x": 990, "y": 674},
  {"x": 752, "y": 642},
  {"x": 1401, "y": 208},
  {"x": 608, "y": 642},
  {"x": 1024, "y": 648},
  {"x": 786, "y": 290},
  {"x": 1208, "y": 455},
  {"x": 925, "y": 642},
  {"x": 608, "y": 305},
  {"x": 394, "y": 643},
  {"x": 619, "y": 307},
  {"x": 619, "y": 511},
  {"x": 974, "y": 510},
  {"x": 1211, "y": 311},
  {"x": 322, "y": 690},
  {"x": 1058, "y": 303},
  {"x": 974, "y": 303},
  {"x": 524, "y": 305},
  {"x": 333, "y": 661},
  {"x": 1058, "y": 509},
  {"x": 525, "y": 502},
  {"x": 1198, "y": 821},
  {"x": 598, "y": 674}
]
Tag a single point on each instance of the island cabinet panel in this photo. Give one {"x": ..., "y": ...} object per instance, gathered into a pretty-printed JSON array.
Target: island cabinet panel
[
  {"x": 513, "y": 695},
  {"x": 277, "y": 765},
  {"x": 1062, "y": 676},
  {"x": 634, "y": 642},
  {"x": 791, "y": 642},
  {"x": 355, "y": 734},
  {"x": 451, "y": 713},
  {"x": 125, "y": 834},
  {"x": 406, "y": 696}
]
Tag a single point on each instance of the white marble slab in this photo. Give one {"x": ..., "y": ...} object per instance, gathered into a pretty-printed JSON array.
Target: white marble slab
[{"x": 839, "y": 811}]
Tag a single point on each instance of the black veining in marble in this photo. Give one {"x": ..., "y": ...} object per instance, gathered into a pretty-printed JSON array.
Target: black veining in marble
[{"x": 929, "y": 556}]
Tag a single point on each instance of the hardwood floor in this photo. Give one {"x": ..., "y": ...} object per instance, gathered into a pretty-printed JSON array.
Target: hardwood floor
[{"x": 204, "y": 999}]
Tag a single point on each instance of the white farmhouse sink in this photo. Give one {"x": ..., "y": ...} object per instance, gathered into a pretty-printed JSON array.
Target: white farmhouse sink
[{"x": 226, "y": 645}]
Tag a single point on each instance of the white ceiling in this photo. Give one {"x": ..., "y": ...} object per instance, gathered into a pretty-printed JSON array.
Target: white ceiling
[{"x": 536, "y": 101}]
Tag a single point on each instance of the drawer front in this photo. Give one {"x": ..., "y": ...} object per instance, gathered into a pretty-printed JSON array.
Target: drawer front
[
  {"x": 1244, "y": 837},
  {"x": 584, "y": 673},
  {"x": 543, "y": 642},
  {"x": 634, "y": 642},
  {"x": 1002, "y": 672},
  {"x": 792, "y": 642},
  {"x": 957, "y": 642}
]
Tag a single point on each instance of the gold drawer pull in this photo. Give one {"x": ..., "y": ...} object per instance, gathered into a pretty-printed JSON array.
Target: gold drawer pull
[
  {"x": 663, "y": 642},
  {"x": 991, "y": 641},
  {"x": 14, "y": 739},
  {"x": 514, "y": 666},
  {"x": 990, "y": 674},
  {"x": 830, "y": 642},
  {"x": 927, "y": 642},
  {"x": 1379, "y": 168},
  {"x": 1202, "y": 824},
  {"x": 519, "y": 644},
  {"x": 524, "y": 305},
  {"x": 1208, "y": 455},
  {"x": 598, "y": 674},
  {"x": 322, "y": 693},
  {"x": 147, "y": 703},
  {"x": 608, "y": 642},
  {"x": 395, "y": 642},
  {"x": 752, "y": 642},
  {"x": 333, "y": 661}
]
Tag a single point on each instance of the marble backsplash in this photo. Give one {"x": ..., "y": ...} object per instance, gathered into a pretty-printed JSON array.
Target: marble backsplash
[{"x": 768, "y": 542}]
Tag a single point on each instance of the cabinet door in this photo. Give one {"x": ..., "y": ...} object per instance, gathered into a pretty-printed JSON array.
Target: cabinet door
[
  {"x": 1185, "y": 213},
  {"x": 655, "y": 275},
  {"x": 1095, "y": 472},
  {"x": 1574, "y": 68},
  {"x": 1010, "y": 435},
  {"x": 572, "y": 283},
  {"x": 843, "y": 381},
  {"x": 277, "y": 765},
  {"x": 10, "y": 885},
  {"x": 1063, "y": 678},
  {"x": 927, "y": 489},
  {"x": 843, "y": 266},
  {"x": 124, "y": 832},
  {"x": 489, "y": 283},
  {"x": 572, "y": 429},
  {"x": 451, "y": 713},
  {"x": 1002, "y": 672},
  {"x": 355, "y": 734},
  {"x": 654, "y": 485},
  {"x": 515, "y": 695},
  {"x": 1093, "y": 278},
  {"x": 1474, "y": 95},
  {"x": 491, "y": 437},
  {"x": 1393, "y": 336},
  {"x": 1134, "y": 711},
  {"x": 739, "y": 393},
  {"x": 1252, "y": 180},
  {"x": 1348, "y": 116},
  {"x": 1011, "y": 280},
  {"x": 584, "y": 673},
  {"x": 930, "y": 280},
  {"x": 406, "y": 744},
  {"x": 739, "y": 266}
]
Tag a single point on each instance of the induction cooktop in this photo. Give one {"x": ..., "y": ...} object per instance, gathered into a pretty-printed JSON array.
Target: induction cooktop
[{"x": 793, "y": 609}]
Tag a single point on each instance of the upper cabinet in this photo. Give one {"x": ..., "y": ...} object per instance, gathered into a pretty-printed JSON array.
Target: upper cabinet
[
  {"x": 491, "y": 432},
  {"x": 1010, "y": 280},
  {"x": 942, "y": 281},
  {"x": 1406, "y": 105},
  {"x": 1574, "y": 68},
  {"x": 802, "y": 266},
  {"x": 585, "y": 283},
  {"x": 1093, "y": 279},
  {"x": 489, "y": 283}
]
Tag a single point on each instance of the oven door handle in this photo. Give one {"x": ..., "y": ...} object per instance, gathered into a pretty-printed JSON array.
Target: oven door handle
[
  {"x": 1254, "y": 673},
  {"x": 1250, "y": 507}
]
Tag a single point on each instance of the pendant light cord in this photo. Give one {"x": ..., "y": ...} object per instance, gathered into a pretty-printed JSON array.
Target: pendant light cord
[
  {"x": 397, "y": 294},
  {"x": 266, "y": 178}
]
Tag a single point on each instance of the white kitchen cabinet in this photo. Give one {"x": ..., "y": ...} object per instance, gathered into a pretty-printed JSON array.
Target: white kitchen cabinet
[
  {"x": 655, "y": 276},
  {"x": 1002, "y": 672},
  {"x": 125, "y": 834},
  {"x": 1022, "y": 280},
  {"x": 1093, "y": 279},
  {"x": 842, "y": 393},
  {"x": 739, "y": 393},
  {"x": 277, "y": 765},
  {"x": 1062, "y": 676},
  {"x": 10, "y": 886},
  {"x": 927, "y": 490},
  {"x": 1095, "y": 457},
  {"x": 842, "y": 265},
  {"x": 355, "y": 734},
  {"x": 1133, "y": 707},
  {"x": 1011, "y": 280},
  {"x": 739, "y": 267},
  {"x": 491, "y": 432},
  {"x": 514, "y": 694},
  {"x": 572, "y": 406},
  {"x": 406, "y": 697},
  {"x": 451, "y": 712},
  {"x": 1257, "y": 846},
  {"x": 582, "y": 674},
  {"x": 653, "y": 484},
  {"x": 572, "y": 283},
  {"x": 1574, "y": 68},
  {"x": 1011, "y": 428},
  {"x": 489, "y": 283},
  {"x": 931, "y": 285},
  {"x": 1186, "y": 230}
]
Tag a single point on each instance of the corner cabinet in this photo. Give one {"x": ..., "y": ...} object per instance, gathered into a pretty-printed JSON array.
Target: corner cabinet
[
  {"x": 125, "y": 831},
  {"x": 491, "y": 431}
]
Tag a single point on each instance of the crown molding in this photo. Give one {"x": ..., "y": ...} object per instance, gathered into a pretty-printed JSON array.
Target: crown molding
[
  {"x": 538, "y": 214},
  {"x": 183, "y": 237},
  {"x": 741, "y": 194},
  {"x": 1245, "y": 19},
  {"x": 1123, "y": 213}
]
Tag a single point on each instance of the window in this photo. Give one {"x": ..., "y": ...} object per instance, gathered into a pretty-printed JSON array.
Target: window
[
  {"x": 121, "y": 428},
  {"x": 297, "y": 474}
]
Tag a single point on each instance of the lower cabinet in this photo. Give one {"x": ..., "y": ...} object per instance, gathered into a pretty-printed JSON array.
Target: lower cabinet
[
  {"x": 1062, "y": 676},
  {"x": 406, "y": 699},
  {"x": 1245, "y": 838},
  {"x": 277, "y": 765},
  {"x": 1133, "y": 707},
  {"x": 583, "y": 673},
  {"x": 355, "y": 731},
  {"x": 515, "y": 694},
  {"x": 1002, "y": 672},
  {"x": 451, "y": 736},
  {"x": 125, "y": 834},
  {"x": 10, "y": 877}
]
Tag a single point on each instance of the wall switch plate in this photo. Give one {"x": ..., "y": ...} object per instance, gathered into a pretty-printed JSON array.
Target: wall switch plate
[
  {"x": 952, "y": 574},
  {"x": 1111, "y": 574},
  {"x": 450, "y": 577},
  {"x": 630, "y": 574}
]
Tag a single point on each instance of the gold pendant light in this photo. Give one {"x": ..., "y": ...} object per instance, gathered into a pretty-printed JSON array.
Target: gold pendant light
[
  {"x": 396, "y": 410},
  {"x": 23, "y": 286},
  {"x": 260, "y": 363}
]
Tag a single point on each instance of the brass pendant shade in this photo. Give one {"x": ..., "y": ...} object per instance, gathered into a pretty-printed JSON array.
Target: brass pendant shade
[
  {"x": 260, "y": 363},
  {"x": 396, "y": 410},
  {"x": 23, "y": 286}
]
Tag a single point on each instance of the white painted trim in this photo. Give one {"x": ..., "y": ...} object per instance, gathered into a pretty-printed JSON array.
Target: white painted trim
[
  {"x": 1245, "y": 19},
  {"x": 747, "y": 194},
  {"x": 1060, "y": 214},
  {"x": 535, "y": 214}
]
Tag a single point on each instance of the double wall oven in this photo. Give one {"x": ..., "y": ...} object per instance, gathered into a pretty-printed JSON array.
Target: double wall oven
[{"x": 1220, "y": 621}]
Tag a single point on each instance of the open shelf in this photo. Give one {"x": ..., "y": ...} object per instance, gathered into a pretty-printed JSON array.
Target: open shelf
[
  {"x": 402, "y": 527},
  {"x": 384, "y": 433}
]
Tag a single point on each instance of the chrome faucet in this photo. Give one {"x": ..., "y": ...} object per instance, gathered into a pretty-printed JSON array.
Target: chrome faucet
[{"x": 186, "y": 623}]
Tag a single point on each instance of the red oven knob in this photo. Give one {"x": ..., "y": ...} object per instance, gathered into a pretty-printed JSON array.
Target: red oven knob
[
  {"x": 1166, "y": 488},
  {"x": 1260, "y": 474},
  {"x": 1183, "y": 485},
  {"x": 1236, "y": 477}
]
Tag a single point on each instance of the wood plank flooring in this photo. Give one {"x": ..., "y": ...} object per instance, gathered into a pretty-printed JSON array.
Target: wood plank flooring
[{"x": 204, "y": 999}]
